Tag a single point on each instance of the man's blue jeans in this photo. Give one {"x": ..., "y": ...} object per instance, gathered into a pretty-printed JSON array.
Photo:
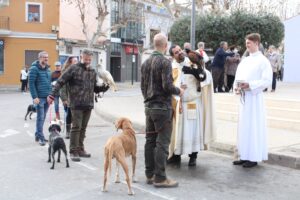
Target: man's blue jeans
[{"x": 41, "y": 110}]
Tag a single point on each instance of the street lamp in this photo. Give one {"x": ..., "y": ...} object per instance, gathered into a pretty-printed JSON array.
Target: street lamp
[{"x": 192, "y": 39}]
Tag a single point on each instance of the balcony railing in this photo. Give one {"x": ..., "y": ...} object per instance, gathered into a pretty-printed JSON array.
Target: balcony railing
[{"x": 4, "y": 23}]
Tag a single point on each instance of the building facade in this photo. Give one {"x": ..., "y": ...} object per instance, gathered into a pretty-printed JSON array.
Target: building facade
[{"x": 26, "y": 28}]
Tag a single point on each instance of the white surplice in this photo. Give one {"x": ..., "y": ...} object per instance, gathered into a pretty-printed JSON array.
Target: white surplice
[
  {"x": 252, "y": 131},
  {"x": 194, "y": 127}
]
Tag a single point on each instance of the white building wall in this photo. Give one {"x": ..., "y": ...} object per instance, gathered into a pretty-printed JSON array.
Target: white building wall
[{"x": 291, "y": 50}]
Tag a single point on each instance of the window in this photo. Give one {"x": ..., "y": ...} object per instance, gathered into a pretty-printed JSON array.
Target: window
[
  {"x": 152, "y": 34},
  {"x": 34, "y": 12},
  {"x": 1, "y": 56}
]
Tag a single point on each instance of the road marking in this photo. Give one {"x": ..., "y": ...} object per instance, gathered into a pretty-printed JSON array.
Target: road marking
[
  {"x": 9, "y": 132},
  {"x": 158, "y": 194},
  {"x": 90, "y": 167},
  {"x": 26, "y": 125},
  {"x": 29, "y": 133}
]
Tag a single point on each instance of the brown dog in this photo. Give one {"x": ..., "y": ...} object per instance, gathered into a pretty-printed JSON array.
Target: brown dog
[{"x": 119, "y": 147}]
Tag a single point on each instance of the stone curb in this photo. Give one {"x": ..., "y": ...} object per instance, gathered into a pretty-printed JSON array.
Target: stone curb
[{"x": 275, "y": 158}]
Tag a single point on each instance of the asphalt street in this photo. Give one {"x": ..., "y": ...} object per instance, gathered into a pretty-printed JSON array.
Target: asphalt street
[{"x": 26, "y": 175}]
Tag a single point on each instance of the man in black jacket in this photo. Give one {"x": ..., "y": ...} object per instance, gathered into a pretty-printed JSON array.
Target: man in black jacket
[
  {"x": 218, "y": 66},
  {"x": 82, "y": 80},
  {"x": 157, "y": 89}
]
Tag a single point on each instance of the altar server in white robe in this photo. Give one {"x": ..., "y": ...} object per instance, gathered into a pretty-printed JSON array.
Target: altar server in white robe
[
  {"x": 192, "y": 129},
  {"x": 253, "y": 75}
]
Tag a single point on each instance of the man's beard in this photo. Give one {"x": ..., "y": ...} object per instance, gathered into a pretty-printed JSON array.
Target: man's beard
[{"x": 180, "y": 59}]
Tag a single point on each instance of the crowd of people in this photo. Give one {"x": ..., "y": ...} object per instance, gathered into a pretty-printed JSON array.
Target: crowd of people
[
  {"x": 178, "y": 99},
  {"x": 76, "y": 84},
  {"x": 226, "y": 60}
]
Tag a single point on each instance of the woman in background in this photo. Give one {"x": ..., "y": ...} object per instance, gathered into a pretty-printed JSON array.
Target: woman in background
[{"x": 64, "y": 95}]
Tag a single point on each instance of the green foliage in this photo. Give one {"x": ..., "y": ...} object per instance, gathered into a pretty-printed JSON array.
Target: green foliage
[{"x": 212, "y": 29}]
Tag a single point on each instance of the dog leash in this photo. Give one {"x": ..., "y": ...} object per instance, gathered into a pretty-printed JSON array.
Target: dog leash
[
  {"x": 154, "y": 132},
  {"x": 50, "y": 113}
]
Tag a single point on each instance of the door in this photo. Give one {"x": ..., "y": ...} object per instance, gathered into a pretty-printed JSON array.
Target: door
[{"x": 115, "y": 68}]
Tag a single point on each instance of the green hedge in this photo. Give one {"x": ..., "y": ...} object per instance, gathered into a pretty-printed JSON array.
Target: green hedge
[{"x": 212, "y": 29}]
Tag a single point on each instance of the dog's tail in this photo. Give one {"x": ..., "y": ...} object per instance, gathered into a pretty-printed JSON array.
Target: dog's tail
[{"x": 108, "y": 158}]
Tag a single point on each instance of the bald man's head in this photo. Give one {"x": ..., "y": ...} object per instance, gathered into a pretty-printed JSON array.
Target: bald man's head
[{"x": 160, "y": 42}]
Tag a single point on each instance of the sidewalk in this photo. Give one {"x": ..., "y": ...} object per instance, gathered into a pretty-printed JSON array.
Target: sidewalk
[{"x": 284, "y": 146}]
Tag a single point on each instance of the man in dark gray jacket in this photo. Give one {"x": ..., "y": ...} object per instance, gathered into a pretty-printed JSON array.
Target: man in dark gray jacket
[
  {"x": 157, "y": 89},
  {"x": 82, "y": 81}
]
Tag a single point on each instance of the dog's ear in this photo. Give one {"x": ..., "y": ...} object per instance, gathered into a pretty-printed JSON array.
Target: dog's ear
[
  {"x": 119, "y": 123},
  {"x": 50, "y": 128}
]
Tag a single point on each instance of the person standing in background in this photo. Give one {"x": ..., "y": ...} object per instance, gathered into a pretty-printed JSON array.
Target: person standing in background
[
  {"x": 24, "y": 79},
  {"x": 54, "y": 76},
  {"x": 230, "y": 68},
  {"x": 65, "y": 96},
  {"x": 275, "y": 61},
  {"x": 40, "y": 88},
  {"x": 218, "y": 66}
]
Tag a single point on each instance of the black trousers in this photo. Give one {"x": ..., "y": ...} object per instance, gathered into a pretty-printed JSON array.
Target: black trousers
[
  {"x": 230, "y": 80},
  {"x": 24, "y": 86},
  {"x": 274, "y": 81},
  {"x": 218, "y": 78},
  {"x": 158, "y": 136}
]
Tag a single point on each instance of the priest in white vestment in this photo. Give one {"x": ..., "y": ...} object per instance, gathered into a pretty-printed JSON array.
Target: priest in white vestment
[
  {"x": 253, "y": 75},
  {"x": 189, "y": 124}
]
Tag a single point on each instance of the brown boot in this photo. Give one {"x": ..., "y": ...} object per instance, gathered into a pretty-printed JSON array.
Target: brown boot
[
  {"x": 74, "y": 156},
  {"x": 82, "y": 153},
  {"x": 166, "y": 184}
]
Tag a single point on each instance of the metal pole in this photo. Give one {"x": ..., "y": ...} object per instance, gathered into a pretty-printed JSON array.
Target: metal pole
[
  {"x": 132, "y": 63},
  {"x": 192, "y": 38}
]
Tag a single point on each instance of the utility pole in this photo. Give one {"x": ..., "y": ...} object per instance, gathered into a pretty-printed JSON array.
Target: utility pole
[{"x": 192, "y": 38}]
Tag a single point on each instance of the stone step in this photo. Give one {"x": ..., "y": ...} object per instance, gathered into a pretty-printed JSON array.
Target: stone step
[
  {"x": 287, "y": 103},
  {"x": 278, "y": 112},
  {"x": 274, "y": 122}
]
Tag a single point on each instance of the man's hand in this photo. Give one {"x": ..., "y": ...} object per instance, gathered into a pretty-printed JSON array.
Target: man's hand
[
  {"x": 65, "y": 103},
  {"x": 36, "y": 101},
  {"x": 181, "y": 92},
  {"x": 183, "y": 86},
  {"x": 244, "y": 86},
  {"x": 50, "y": 99}
]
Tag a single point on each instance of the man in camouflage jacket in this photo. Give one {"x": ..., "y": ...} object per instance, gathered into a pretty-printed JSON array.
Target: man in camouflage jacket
[{"x": 82, "y": 82}]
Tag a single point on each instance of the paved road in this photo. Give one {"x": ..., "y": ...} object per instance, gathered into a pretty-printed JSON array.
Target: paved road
[{"x": 25, "y": 174}]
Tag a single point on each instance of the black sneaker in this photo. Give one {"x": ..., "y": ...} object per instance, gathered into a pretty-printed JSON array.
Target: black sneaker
[
  {"x": 42, "y": 142},
  {"x": 239, "y": 162},
  {"x": 75, "y": 157},
  {"x": 192, "y": 162},
  {"x": 84, "y": 154},
  {"x": 249, "y": 164}
]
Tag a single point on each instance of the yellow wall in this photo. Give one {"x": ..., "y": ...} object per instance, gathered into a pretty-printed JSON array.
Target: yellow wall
[
  {"x": 14, "y": 49},
  {"x": 16, "y": 13},
  {"x": 14, "y": 56}
]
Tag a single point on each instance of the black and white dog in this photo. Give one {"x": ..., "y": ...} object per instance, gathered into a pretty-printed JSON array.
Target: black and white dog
[
  {"x": 31, "y": 109},
  {"x": 56, "y": 143}
]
